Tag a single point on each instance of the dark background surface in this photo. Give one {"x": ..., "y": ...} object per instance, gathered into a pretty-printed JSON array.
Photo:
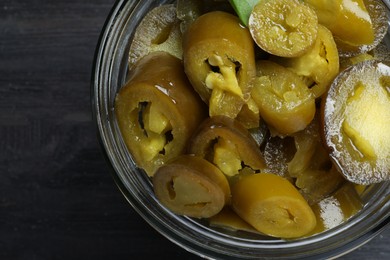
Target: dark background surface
[{"x": 57, "y": 197}]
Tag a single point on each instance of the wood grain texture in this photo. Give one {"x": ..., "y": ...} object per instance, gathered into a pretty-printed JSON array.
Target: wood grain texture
[{"x": 57, "y": 198}]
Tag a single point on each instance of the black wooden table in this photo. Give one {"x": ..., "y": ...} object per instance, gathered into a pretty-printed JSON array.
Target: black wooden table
[{"x": 57, "y": 197}]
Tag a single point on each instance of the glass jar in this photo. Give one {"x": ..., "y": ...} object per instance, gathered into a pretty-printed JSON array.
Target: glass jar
[{"x": 109, "y": 74}]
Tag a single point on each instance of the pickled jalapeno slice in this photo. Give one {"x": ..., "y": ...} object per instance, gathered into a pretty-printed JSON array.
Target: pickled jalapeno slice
[
  {"x": 191, "y": 186},
  {"x": 285, "y": 103},
  {"x": 272, "y": 205},
  {"x": 356, "y": 116},
  {"x": 226, "y": 143},
  {"x": 157, "y": 110},
  {"x": 159, "y": 30},
  {"x": 348, "y": 20},
  {"x": 358, "y": 26},
  {"x": 219, "y": 62},
  {"x": 285, "y": 28}
]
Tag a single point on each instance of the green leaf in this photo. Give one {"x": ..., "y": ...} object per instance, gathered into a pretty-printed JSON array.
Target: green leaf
[{"x": 243, "y": 9}]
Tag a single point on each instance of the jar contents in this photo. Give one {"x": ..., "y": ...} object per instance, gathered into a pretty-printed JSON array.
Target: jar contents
[{"x": 269, "y": 117}]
